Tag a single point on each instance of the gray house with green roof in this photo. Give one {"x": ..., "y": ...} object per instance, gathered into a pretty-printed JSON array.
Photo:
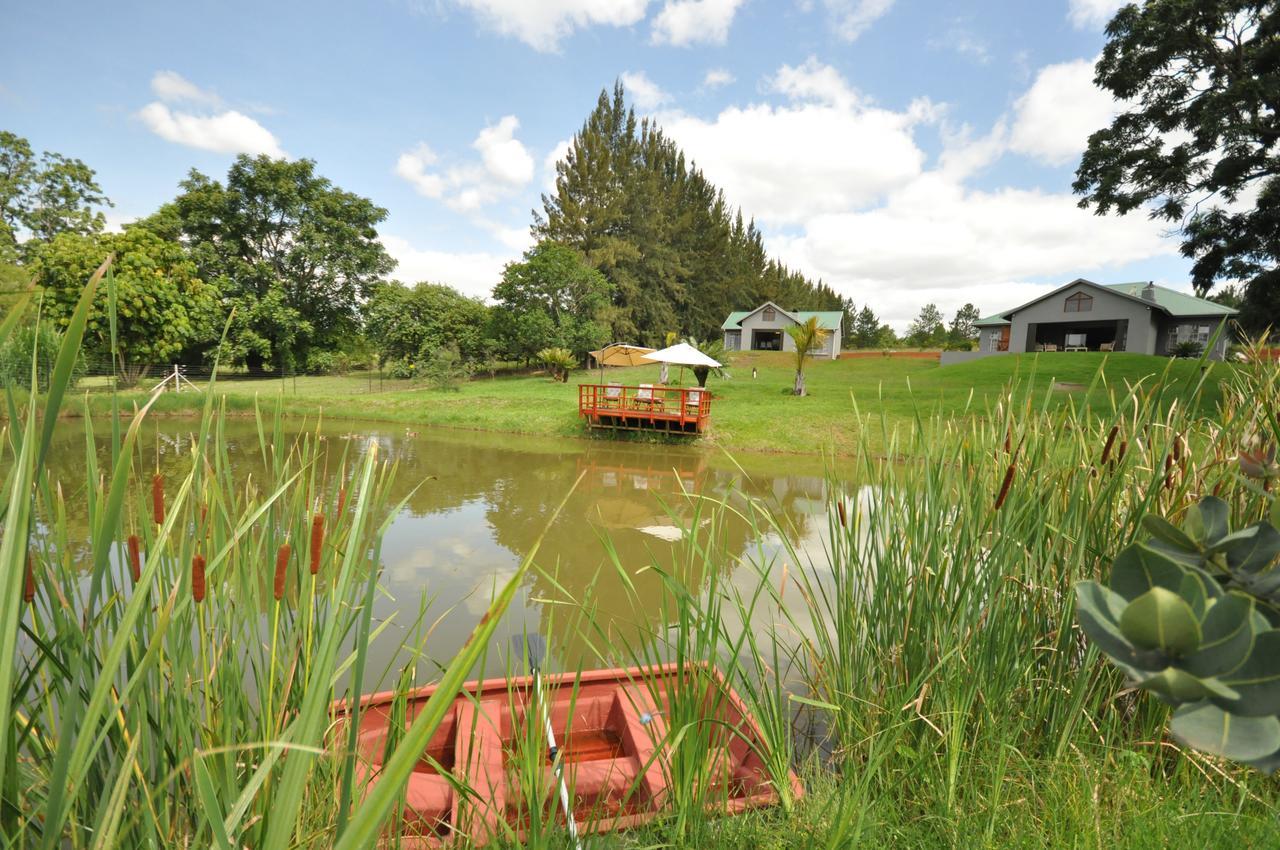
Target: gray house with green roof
[
  {"x": 764, "y": 329},
  {"x": 1087, "y": 316}
]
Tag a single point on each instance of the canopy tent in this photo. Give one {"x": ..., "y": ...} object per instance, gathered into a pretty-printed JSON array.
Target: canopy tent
[{"x": 682, "y": 354}]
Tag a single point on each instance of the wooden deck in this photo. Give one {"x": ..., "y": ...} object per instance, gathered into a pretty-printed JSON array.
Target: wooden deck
[{"x": 675, "y": 410}]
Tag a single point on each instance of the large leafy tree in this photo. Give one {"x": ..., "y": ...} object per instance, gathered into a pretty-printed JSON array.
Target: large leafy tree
[
  {"x": 551, "y": 298},
  {"x": 413, "y": 322},
  {"x": 44, "y": 196},
  {"x": 866, "y": 329},
  {"x": 162, "y": 306},
  {"x": 292, "y": 253},
  {"x": 963, "y": 329},
  {"x": 1198, "y": 144}
]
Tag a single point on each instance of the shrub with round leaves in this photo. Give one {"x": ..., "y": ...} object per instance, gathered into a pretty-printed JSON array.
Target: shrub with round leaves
[{"x": 1190, "y": 615}]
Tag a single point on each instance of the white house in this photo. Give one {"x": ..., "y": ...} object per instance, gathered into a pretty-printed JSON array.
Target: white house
[{"x": 764, "y": 329}]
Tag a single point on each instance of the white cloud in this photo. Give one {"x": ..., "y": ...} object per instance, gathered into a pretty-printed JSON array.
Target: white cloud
[
  {"x": 541, "y": 24},
  {"x": 1092, "y": 13},
  {"x": 685, "y": 22},
  {"x": 505, "y": 166},
  {"x": 222, "y": 132},
  {"x": 844, "y": 192},
  {"x": 1054, "y": 118},
  {"x": 645, "y": 93},
  {"x": 172, "y": 87},
  {"x": 851, "y": 18},
  {"x": 203, "y": 122},
  {"x": 471, "y": 273},
  {"x": 717, "y": 77}
]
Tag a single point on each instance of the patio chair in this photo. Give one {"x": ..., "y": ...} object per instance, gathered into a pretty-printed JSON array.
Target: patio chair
[
  {"x": 644, "y": 396},
  {"x": 612, "y": 394},
  {"x": 1049, "y": 346},
  {"x": 692, "y": 401},
  {"x": 1107, "y": 346}
]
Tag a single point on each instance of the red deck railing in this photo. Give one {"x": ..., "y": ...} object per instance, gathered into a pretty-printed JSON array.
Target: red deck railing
[{"x": 677, "y": 409}]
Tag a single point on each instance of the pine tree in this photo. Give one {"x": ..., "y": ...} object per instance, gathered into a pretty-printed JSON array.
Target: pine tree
[{"x": 662, "y": 234}]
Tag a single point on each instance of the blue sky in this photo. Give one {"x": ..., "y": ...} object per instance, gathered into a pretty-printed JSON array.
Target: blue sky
[{"x": 904, "y": 151}]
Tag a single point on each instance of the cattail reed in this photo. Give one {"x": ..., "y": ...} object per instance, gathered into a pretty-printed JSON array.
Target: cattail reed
[
  {"x": 197, "y": 578},
  {"x": 317, "y": 541},
  {"x": 157, "y": 498},
  {"x": 342, "y": 499},
  {"x": 840, "y": 511},
  {"x": 29, "y": 587},
  {"x": 1111, "y": 439},
  {"x": 135, "y": 558},
  {"x": 1004, "y": 487},
  {"x": 282, "y": 570},
  {"x": 1168, "y": 472}
]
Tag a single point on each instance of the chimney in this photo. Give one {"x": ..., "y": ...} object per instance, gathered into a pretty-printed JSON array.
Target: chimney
[{"x": 1149, "y": 292}]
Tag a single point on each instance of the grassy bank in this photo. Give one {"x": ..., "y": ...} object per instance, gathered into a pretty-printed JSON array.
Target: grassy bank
[{"x": 749, "y": 414}]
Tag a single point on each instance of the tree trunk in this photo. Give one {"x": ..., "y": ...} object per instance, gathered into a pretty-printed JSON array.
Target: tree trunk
[
  {"x": 800, "y": 383},
  {"x": 701, "y": 373},
  {"x": 663, "y": 375}
]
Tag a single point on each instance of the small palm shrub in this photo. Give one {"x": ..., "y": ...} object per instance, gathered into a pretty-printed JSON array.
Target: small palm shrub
[
  {"x": 558, "y": 361},
  {"x": 1187, "y": 348}
]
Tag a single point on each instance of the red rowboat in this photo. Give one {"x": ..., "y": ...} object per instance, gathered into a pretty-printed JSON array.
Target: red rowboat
[{"x": 613, "y": 751}]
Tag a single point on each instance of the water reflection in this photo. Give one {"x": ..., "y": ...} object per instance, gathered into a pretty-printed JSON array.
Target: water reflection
[{"x": 475, "y": 504}]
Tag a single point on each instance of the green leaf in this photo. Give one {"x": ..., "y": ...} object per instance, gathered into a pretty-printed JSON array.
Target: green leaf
[
  {"x": 1179, "y": 686},
  {"x": 1208, "y": 520},
  {"x": 1208, "y": 728},
  {"x": 1250, "y": 550},
  {"x": 1257, "y": 680},
  {"x": 1226, "y": 637},
  {"x": 1160, "y": 619},
  {"x": 1165, "y": 531},
  {"x": 1098, "y": 610},
  {"x": 1138, "y": 568}
]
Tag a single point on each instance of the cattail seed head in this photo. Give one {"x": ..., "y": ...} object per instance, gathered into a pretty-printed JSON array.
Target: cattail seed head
[
  {"x": 317, "y": 541},
  {"x": 29, "y": 587},
  {"x": 1111, "y": 439},
  {"x": 1004, "y": 487},
  {"x": 1124, "y": 447},
  {"x": 197, "y": 578},
  {"x": 282, "y": 569},
  {"x": 840, "y": 511},
  {"x": 342, "y": 499},
  {"x": 157, "y": 498},
  {"x": 135, "y": 558}
]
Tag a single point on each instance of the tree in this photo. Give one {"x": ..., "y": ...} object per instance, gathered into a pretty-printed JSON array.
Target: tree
[
  {"x": 866, "y": 329},
  {"x": 808, "y": 337},
  {"x": 162, "y": 307},
  {"x": 963, "y": 331},
  {"x": 713, "y": 348},
  {"x": 44, "y": 197},
  {"x": 403, "y": 322},
  {"x": 1195, "y": 144},
  {"x": 551, "y": 298},
  {"x": 558, "y": 362},
  {"x": 676, "y": 254},
  {"x": 292, "y": 253},
  {"x": 927, "y": 329}
]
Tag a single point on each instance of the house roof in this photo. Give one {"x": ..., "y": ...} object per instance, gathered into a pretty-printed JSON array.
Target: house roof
[
  {"x": 828, "y": 319},
  {"x": 991, "y": 321},
  {"x": 1168, "y": 301}
]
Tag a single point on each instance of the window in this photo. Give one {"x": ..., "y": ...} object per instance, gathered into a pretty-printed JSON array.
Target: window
[
  {"x": 769, "y": 315},
  {"x": 1079, "y": 303}
]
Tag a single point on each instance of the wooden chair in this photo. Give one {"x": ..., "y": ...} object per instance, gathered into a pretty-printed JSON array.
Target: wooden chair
[
  {"x": 613, "y": 394},
  {"x": 644, "y": 396},
  {"x": 692, "y": 401},
  {"x": 1107, "y": 346},
  {"x": 1049, "y": 346}
]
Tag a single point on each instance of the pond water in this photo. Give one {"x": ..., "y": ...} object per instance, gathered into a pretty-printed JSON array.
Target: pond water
[{"x": 476, "y": 504}]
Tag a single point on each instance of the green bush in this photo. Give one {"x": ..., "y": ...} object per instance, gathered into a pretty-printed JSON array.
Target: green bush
[
  {"x": 328, "y": 363},
  {"x": 445, "y": 369},
  {"x": 1187, "y": 348},
  {"x": 402, "y": 369},
  {"x": 33, "y": 341}
]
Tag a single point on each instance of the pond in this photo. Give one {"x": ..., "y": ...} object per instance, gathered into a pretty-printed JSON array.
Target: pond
[{"x": 475, "y": 504}]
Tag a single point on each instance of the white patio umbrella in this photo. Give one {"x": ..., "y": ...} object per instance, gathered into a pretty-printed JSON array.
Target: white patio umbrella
[{"x": 682, "y": 354}]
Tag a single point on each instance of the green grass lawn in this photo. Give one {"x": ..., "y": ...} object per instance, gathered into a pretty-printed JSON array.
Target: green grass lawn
[{"x": 748, "y": 414}]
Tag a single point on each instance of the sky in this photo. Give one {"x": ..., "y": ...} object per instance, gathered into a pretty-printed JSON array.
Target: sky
[{"x": 903, "y": 151}]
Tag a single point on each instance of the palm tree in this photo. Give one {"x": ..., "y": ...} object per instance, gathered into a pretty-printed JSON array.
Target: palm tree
[
  {"x": 713, "y": 348},
  {"x": 558, "y": 362},
  {"x": 808, "y": 337}
]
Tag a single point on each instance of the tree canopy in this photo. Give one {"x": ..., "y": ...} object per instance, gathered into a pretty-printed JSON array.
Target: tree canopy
[
  {"x": 677, "y": 256},
  {"x": 410, "y": 323},
  {"x": 293, "y": 254},
  {"x": 162, "y": 307},
  {"x": 927, "y": 328},
  {"x": 44, "y": 196},
  {"x": 551, "y": 298},
  {"x": 1196, "y": 144}
]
